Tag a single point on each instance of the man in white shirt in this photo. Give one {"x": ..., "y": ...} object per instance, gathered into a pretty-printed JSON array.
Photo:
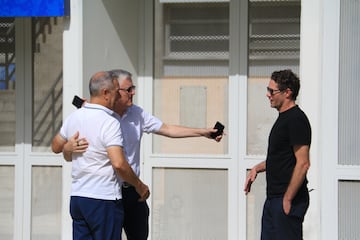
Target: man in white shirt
[
  {"x": 134, "y": 122},
  {"x": 96, "y": 205}
]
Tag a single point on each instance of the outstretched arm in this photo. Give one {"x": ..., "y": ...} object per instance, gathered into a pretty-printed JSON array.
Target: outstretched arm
[{"x": 177, "y": 131}]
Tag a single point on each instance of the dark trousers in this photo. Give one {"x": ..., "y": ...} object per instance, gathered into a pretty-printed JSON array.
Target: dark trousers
[
  {"x": 276, "y": 225},
  {"x": 96, "y": 219},
  {"x": 136, "y": 221}
]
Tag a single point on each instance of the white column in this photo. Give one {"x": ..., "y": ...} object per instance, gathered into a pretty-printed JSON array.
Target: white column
[
  {"x": 310, "y": 100},
  {"x": 72, "y": 85}
]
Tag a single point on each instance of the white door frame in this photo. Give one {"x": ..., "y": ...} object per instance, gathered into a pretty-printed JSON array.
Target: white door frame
[{"x": 234, "y": 162}]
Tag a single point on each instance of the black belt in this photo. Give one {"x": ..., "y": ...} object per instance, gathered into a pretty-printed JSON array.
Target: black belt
[{"x": 127, "y": 185}]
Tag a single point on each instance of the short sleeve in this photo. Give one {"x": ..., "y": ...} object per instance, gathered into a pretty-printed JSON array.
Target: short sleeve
[
  {"x": 151, "y": 123},
  {"x": 111, "y": 134}
]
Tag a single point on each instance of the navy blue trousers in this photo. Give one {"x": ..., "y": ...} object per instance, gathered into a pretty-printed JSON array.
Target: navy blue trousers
[
  {"x": 276, "y": 225},
  {"x": 136, "y": 221},
  {"x": 96, "y": 219}
]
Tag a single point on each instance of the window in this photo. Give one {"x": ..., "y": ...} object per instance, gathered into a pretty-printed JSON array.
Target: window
[
  {"x": 191, "y": 71},
  {"x": 274, "y": 44},
  {"x": 7, "y": 84},
  {"x": 47, "y": 83}
]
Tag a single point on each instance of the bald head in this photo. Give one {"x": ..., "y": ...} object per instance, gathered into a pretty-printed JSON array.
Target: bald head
[
  {"x": 100, "y": 80},
  {"x": 104, "y": 89}
]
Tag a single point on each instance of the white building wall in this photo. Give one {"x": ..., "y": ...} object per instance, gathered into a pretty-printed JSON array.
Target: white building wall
[
  {"x": 105, "y": 34},
  {"x": 110, "y": 36}
]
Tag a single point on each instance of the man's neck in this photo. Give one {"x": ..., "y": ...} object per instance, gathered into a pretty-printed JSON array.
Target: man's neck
[
  {"x": 286, "y": 106},
  {"x": 99, "y": 101},
  {"x": 122, "y": 112}
]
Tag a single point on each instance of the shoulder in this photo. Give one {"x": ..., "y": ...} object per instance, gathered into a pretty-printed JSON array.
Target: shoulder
[
  {"x": 296, "y": 113},
  {"x": 299, "y": 121},
  {"x": 300, "y": 114},
  {"x": 137, "y": 111}
]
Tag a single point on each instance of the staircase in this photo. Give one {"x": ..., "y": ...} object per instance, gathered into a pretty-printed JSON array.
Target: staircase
[
  {"x": 47, "y": 93},
  {"x": 46, "y": 77}
]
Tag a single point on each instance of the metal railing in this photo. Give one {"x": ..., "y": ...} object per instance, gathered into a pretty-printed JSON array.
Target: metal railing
[{"x": 7, "y": 52}]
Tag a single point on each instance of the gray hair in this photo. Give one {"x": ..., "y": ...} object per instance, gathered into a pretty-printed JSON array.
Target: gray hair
[
  {"x": 120, "y": 74},
  {"x": 99, "y": 81}
]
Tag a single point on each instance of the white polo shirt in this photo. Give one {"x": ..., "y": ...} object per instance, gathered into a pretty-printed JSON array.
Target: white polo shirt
[
  {"x": 133, "y": 123},
  {"x": 92, "y": 173}
]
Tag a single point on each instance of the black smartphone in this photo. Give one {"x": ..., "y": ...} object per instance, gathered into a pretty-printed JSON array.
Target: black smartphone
[
  {"x": 77, "y": 101},
  {"x": 220, "y": 128}
]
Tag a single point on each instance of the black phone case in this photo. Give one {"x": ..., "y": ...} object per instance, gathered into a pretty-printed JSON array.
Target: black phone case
[
  {"x": 77, "y": 101},
  {"x": 220, "y": 127}
]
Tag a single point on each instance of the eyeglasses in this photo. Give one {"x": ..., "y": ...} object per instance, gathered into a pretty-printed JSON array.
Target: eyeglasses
[
  {"x": 272, "y": 92},
  {"x": 129, "y": 89}
]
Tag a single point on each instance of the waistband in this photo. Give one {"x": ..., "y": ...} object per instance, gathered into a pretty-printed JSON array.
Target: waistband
[{"x": 127, "y": 185}]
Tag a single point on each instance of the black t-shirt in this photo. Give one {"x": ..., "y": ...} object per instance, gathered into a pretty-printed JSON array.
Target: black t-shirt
[{"x": 291, "y": 128}]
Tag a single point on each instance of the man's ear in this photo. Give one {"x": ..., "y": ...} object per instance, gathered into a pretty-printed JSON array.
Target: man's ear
[
  {"x": 289, "y": 93},
  {"x": 105, "y": 92}
]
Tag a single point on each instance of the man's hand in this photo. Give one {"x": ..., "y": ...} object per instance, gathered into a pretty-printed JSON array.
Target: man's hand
[
  {"x": 261, "y": 167},
  {"x": 76, "y": 145},
  {"x": 209, "y": 131},
  {"x": 143, "y": 191},
  {"x": 286, "y": 206},
  {"x": 249, "y": 180}
]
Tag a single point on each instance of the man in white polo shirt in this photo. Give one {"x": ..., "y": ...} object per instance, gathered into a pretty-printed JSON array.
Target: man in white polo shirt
[
  {"x": 96, "y": 206},
  {"x": 134, "y": 122}
]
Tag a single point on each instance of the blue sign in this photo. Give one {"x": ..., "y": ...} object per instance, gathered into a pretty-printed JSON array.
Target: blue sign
[{"x": 34, "y": 8}]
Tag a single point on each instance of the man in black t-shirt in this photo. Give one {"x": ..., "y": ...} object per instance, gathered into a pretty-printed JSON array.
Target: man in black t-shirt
[{"x": 286, "y": 164}]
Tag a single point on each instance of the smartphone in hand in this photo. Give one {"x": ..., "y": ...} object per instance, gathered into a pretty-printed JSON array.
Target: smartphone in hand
[
  {"x": 220, "y": 128},
  {"x": 77, "y": 101}
]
